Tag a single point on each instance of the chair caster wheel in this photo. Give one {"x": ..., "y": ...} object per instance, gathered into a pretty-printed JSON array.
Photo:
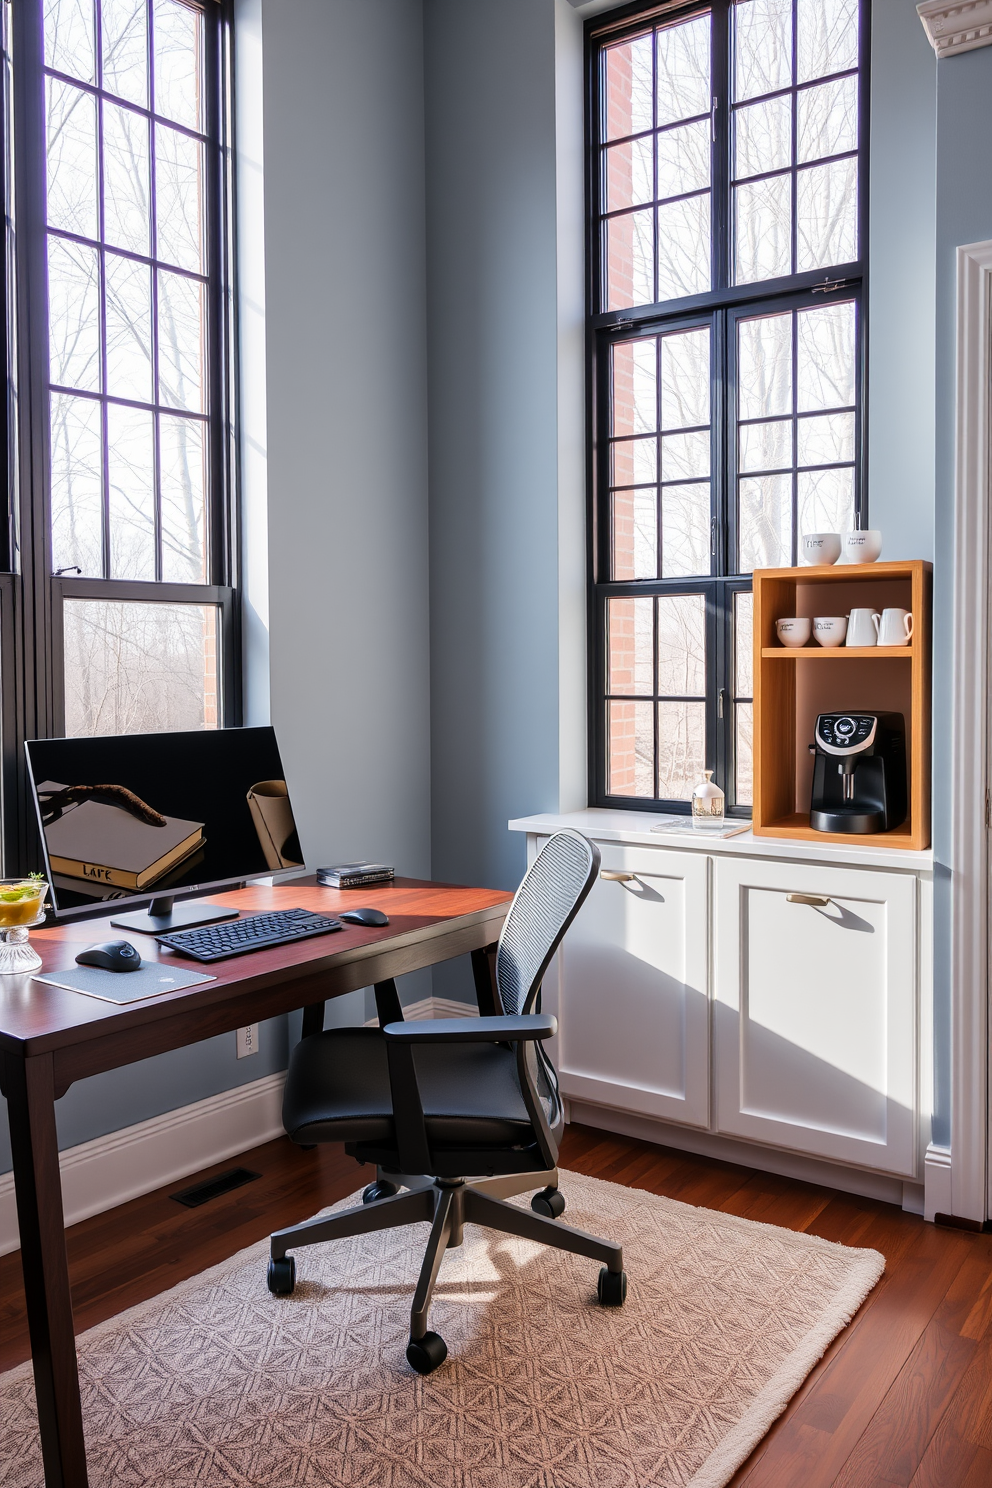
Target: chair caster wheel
[
  {"x": 612, "y": 1287},
  {"x": 550, "y": 1203},
  {"x": 381, "y": 1189},
  {"x": 427, "y": 1353},
  {"x": 282, "y": 1276}
]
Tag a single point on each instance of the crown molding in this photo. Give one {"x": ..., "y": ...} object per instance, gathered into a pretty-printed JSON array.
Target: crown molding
[{"x": 956, "y": 25}]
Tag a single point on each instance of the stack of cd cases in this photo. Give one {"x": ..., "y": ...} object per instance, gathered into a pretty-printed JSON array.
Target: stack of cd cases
[{"x": 354, "y": 875}]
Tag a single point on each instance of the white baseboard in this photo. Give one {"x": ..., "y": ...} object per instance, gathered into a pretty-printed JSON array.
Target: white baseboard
[
  {"x": 108, "y": 1171},
  {"x": 767, "y": 1159},
  {"x": 433, "y": 1007},
  {"x": 937, "y": 1181}
]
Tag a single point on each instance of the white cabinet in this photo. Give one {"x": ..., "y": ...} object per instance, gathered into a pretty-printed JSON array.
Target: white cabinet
[
  {"x": 633, "y": 979},
  {"x": 815, "y": 1010}
]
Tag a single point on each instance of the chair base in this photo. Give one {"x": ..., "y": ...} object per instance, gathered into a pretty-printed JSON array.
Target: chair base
[{"x": 448, "y": 1203}]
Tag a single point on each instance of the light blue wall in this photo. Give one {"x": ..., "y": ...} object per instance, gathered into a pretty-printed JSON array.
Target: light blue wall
[{"x": 964, "y": 215}]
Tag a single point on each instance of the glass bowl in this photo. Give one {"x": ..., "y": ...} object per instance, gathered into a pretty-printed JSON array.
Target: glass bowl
[{"x": 22, "y": 904}]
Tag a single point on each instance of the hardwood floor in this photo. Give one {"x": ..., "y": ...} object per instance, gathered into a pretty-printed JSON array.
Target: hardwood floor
[{"x": 902, "y": 1399}]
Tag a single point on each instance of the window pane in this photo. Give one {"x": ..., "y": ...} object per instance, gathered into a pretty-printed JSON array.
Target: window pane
[
  {"x": 125, "y": 49},
  {"x": 743, "y": 645},
  {"x": 69, "y": 37},
  {"x": 682, "y": 645},
  {"x": 134, "y": 668},
  {"x": 763, "y": 229},
  {"x": 685, "y": 531},
  {"x": 684, "y": 70},
  {"x": 826, "y": 357},
  {"x": 684, "y": 247},
  {"x": 828, "y": 119},
  {"x": 827, "y": 215},
  {"x": 634, "y": 462},
  {"x": 685, "y": 379},
  {"x": 125, "y": 179},
  {"x": 72, "y": 169},
  {"x": 763, "y": 137},
  {"x": 628, "y": 87},
  {"x": 629, "y": 174},
  {"x": 684, "y": 159},
  {"x": 630, "y": 764},
  {"x": 764, "y": 366},
  {"x": 77, "y": 499},
  {"x": 765, "y": 521},
  {"x": 129, "y": 329},
  {"x": 681, "y": 749},
  {"x": 629, "y": 261},
  {"x": 766, "y": 446},
  {"x": 685, "y": 456},
  {"x": 635, "y": 387},
  {"x": 131, "y": 478},
  {"x": 182, "y": 450},
  {"x": 629, "y": 624},
  {"x": 177, "y": 63},
  {"x": 827, "y": 440},
  {"x": 826, "y": 500},
  {"x": 73, "y": 315},
  {"x": 762, "y": 46},
  {"x": 827, "y": 36},
  {"x": 635, "y": 534},
  {"x": 180, "y": 342},
  {"x": 744, "y": 717},
  {"x": 179, "y": 198}
]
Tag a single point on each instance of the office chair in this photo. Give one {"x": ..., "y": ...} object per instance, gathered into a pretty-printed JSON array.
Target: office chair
[{"x": 471, "y": 1101}]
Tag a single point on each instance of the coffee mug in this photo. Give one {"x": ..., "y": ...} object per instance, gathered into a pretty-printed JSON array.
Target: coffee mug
[
  {"x": 830, "y": 630},
  {"x": 862, "y": 628},
  {"x": 862, "y": 547},
  {"x": 821, "y": 547},
  {"x": 793, "y": 631},
  {"x": 896, "y": 628}
]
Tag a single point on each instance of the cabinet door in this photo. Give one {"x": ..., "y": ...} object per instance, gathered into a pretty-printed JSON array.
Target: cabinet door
[
  {"x": 633, "y": 988},
  {"x": 815, "y": 1010}
]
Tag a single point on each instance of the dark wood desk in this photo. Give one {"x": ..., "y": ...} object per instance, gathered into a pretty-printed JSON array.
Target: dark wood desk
[{"x": 50, "y": 1037}]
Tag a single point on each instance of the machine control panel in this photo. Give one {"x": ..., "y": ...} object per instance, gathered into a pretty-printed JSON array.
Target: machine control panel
[{"x": 845, "y": 733}]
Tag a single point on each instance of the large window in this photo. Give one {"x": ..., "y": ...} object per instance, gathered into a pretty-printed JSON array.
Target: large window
[
  {"x": 123, "y": 562},
  {"x": 726, "y": 335}
]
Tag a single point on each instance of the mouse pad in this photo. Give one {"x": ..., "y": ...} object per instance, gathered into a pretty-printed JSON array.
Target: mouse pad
[{"x": 149, "y": 980}]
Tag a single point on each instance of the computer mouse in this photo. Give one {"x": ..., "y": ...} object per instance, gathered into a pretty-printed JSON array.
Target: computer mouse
[
  {"x": 366, "y": 916},
  {"x": 111, "y": 955}
]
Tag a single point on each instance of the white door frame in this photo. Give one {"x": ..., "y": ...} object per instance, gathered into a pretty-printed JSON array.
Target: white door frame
[{"x": 967, "y": 1161}]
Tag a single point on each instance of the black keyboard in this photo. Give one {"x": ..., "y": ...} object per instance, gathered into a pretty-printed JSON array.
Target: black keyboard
[{"x": 252, "y": 933}]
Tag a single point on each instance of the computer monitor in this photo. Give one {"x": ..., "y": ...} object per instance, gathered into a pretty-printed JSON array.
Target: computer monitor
[{"x": 147, "y": 818}]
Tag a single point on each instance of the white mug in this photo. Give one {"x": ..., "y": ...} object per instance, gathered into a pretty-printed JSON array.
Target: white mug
[
  {"x": 793, "y": 631},
  {"x": 821, "y": 547},
  {"x": 862, "y": 547},
  {"x": 830, "y": 630},
  {"x": 862, "y": 628},
  {"x": 896, "y": 628}
]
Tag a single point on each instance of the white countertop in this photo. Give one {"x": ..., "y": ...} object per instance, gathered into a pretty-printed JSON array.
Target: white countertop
[{"x": 634, "y": 827}]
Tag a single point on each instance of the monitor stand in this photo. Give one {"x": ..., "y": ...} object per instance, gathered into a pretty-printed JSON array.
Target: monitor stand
[{"x": 164, "y": 915}]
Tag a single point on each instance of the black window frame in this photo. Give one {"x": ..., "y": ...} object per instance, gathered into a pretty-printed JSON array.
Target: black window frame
[
  {"x": 31, "y": 594},
  {"x": 721, "y": 305}
]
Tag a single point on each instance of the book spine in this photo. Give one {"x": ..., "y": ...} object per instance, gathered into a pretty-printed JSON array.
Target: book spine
[{"x": 95, "y": 873}]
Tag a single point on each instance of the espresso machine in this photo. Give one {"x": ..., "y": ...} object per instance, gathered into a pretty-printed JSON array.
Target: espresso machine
[{"x": 859, "y": 772}]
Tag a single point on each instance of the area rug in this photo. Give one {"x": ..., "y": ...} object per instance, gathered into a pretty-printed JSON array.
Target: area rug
[{"x": 219, "y": 1383}]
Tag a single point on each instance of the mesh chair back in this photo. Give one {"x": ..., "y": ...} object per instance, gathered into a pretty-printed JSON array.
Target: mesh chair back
[{"x": 545, "y": 904}]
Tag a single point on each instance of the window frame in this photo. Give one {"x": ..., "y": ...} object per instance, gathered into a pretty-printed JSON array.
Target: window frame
[
  {"x": 33, "y": 648},
  {"x": 722, "y": 305}
]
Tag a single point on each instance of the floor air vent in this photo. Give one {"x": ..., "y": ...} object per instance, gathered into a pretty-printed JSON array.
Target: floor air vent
[{"x": 212, "y": 1188}]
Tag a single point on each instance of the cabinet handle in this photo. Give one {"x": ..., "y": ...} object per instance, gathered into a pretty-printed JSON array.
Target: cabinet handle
[
  {"x": 817, "y": 900},
  {"x": 614, "y": 876}
]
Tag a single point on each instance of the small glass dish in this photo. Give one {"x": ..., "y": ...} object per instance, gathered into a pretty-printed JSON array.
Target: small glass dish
[{"x": 22, "y": 907}]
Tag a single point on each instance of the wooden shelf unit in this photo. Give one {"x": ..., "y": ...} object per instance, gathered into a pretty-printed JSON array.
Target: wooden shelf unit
[{"x": 788, "y": 694}]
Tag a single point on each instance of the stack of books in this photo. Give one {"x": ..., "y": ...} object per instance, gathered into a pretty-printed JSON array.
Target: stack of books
[{"x": 354, "y": 875}]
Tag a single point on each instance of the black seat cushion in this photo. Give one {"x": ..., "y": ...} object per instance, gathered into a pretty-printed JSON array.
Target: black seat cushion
[{"x": 337, "y": 1090}]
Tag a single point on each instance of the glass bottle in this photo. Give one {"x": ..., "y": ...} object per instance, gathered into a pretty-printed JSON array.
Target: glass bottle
[{"x": 708, "y": 802}]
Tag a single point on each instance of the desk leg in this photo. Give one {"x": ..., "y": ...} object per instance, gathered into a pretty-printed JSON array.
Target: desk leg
[{"x": 30, "y": 1092}]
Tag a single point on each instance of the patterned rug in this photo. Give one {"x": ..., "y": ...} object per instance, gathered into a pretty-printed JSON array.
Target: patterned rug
[{"x": 217, "y": 1382}]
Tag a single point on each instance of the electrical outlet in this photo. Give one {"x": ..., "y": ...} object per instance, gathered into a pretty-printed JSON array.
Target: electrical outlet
[{"x": 248, "y": 1041}]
